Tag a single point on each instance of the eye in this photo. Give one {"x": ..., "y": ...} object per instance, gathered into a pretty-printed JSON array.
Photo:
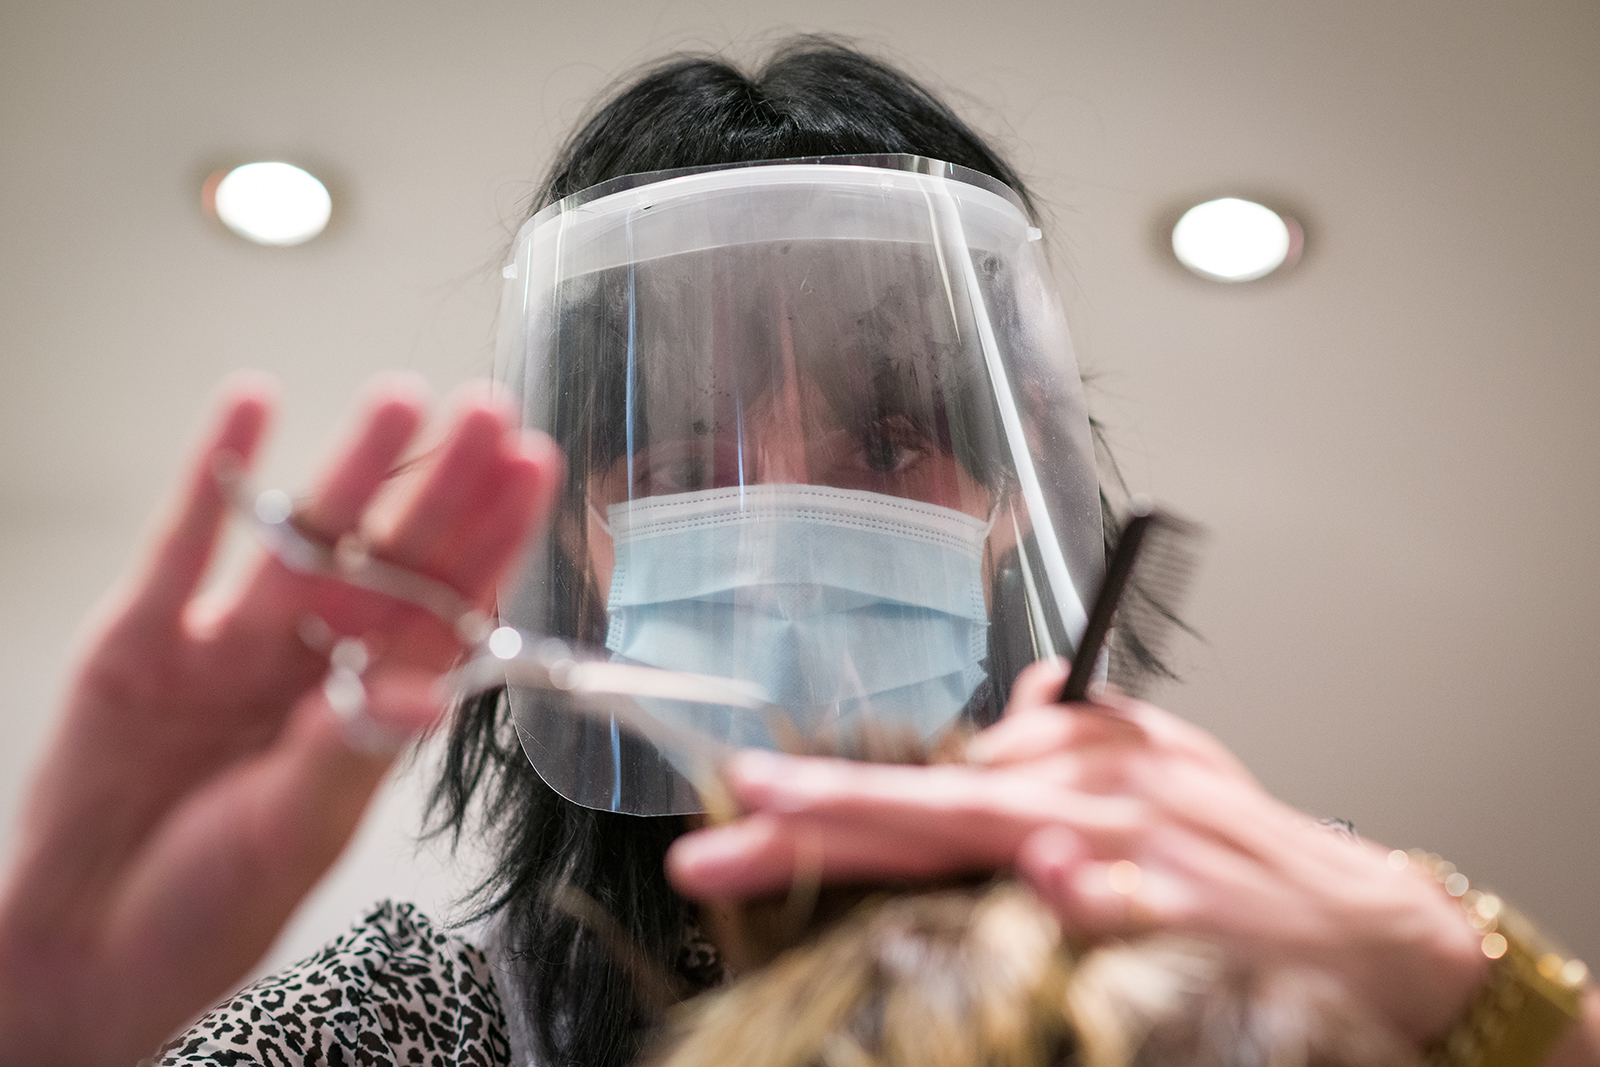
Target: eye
[
  {"x": 658, "y": 471},
  {"x": 683, "y": 474},
  {"x": 890, "y": 446},
  {"x": 683, "y": 467},
  {"x": 881, "y": 454}
]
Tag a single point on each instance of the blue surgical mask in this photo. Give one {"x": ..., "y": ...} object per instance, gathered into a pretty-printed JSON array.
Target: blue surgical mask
[{"x": 841, "y": 604}]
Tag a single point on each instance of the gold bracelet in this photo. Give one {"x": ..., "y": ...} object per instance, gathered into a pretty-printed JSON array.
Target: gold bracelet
[{"x": 1535, "y": 989}]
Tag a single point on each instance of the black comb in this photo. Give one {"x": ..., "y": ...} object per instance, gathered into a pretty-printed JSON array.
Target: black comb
[{"x": 1146, "y": 580}]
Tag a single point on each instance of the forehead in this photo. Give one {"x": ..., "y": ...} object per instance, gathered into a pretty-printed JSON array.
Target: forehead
[{"x": 742, "y": 317}]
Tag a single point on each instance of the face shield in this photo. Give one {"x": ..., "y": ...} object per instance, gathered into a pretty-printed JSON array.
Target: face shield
[{"x": 825, "y": 440}]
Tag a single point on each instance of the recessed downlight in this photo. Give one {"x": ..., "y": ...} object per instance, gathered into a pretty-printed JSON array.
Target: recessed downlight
[
  {"x": 271, "y": 203},
  {"x": 1234, "y": 240}
]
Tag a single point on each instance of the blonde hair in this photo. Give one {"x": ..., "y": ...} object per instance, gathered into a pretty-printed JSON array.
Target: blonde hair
[{"x": 983, "y": 977}]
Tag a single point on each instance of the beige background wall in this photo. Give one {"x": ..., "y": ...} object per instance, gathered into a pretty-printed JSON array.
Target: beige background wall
[{"x": 1396, "y": 445}]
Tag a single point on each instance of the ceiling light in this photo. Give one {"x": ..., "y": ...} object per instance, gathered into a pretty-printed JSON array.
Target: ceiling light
[
  {"x": 270, "y": 203},
  {"x": 1233, "y": 240}
]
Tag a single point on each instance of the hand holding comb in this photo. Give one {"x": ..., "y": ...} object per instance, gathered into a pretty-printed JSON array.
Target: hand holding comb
[{"x": 1146, "y": 580}]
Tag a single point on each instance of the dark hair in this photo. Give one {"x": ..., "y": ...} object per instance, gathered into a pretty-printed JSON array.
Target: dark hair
[{"x": 813, "y": 97}]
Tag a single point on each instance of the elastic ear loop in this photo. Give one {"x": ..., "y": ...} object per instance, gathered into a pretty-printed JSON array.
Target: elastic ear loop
[{"x": 994, "y": 516}]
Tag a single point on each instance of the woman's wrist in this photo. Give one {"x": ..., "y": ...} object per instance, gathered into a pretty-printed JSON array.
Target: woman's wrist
[
  {"x": 1524, "y": 1008},
  {"x": 1453, "y": 949}
]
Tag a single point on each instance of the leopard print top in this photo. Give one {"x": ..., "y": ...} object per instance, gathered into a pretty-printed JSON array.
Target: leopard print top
[{"x": 393, "y": 991}]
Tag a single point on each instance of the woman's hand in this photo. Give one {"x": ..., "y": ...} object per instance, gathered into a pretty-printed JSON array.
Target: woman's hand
[
  {"x": 1124, "y": 819},
  {"x": 198, "y": 785}
]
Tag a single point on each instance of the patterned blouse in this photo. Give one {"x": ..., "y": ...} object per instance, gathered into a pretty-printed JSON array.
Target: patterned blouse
[{"x": 394, "y": 990}]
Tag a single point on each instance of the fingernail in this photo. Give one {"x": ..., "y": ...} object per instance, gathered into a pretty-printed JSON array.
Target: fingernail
[
  {"x": 1051, "y": 851},
  {"x": 758, "y": 767},
  {"x": 702, "y": 848},
  {"x": 981, "y": 750},
  {"x": 769, "y": 780}
]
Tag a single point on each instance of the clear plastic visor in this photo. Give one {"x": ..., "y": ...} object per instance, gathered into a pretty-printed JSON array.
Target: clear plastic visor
[{"x": 825, "y": 442}]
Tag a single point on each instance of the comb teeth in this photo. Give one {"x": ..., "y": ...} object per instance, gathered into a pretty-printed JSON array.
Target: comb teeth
[{"x": 1149, "y": 614}]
